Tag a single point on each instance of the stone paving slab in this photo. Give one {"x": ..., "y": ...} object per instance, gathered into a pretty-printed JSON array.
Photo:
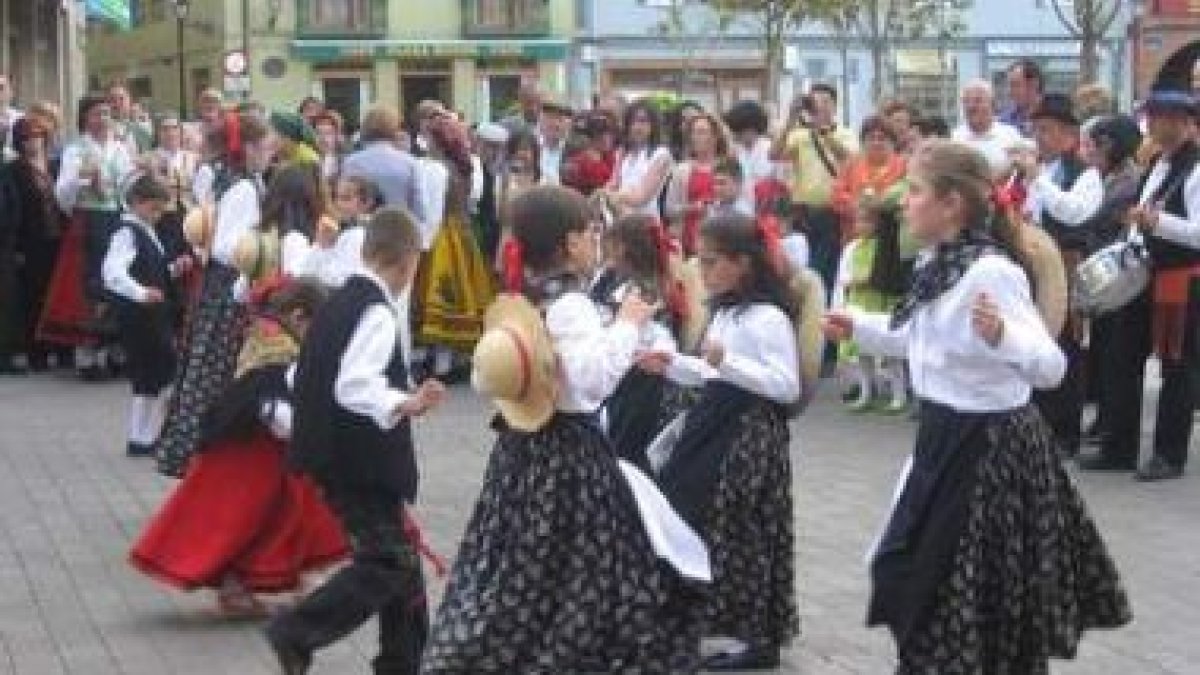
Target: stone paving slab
[{"x": 71, "y": 503}]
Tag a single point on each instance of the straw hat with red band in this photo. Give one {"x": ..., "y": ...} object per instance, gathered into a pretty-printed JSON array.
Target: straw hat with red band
[{"x": 514, "y": 363}]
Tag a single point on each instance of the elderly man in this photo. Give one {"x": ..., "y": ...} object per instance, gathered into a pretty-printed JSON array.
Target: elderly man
[
  {"x": 529, "y": 97},
  {"x": 1025, "y": 86},
  {"x": 981, "y": 130}
]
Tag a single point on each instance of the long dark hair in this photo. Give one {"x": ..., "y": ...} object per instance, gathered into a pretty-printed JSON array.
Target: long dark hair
[
  {"x": 294, "y": 201},
  {"x": 631, "y": 112},
  {"x": 542, "y": 216},
  {"x": 635, "y": 235},
  {"x": 890, "y": 274},
  {"x": 735, "y": 235}
]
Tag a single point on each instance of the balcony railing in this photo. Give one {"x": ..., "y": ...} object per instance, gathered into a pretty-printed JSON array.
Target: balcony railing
[
  {"x": 505, "y": 18},
  {"x": 341, "y": 18}
]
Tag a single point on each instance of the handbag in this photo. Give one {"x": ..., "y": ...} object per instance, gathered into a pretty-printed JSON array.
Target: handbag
[{"x": 1112, "y": 277}]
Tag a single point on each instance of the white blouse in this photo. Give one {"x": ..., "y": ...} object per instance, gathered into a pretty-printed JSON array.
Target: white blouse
[
  {"x": 593, "y": 357},
  {"x": 237, "y": 213},
  {"x": 951, "y": 364},
  {"x": 122, "y": 251},
  {"x": 756, "y": 166},
  {"x": 632, "y": 171},
  {"x": 761, "y": 355},
  {"x": 434, "y": 181},
  {"x": 333, "y": 266}
]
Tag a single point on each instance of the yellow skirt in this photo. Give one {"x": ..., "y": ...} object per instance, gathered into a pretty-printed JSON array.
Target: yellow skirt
[{"x": 455, "y": 288}]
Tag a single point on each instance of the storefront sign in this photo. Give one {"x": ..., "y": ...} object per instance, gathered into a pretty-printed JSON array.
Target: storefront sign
[{"x": 338, "y": 50}]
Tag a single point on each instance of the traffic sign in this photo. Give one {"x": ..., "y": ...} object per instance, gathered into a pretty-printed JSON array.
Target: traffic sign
[
  {"x": 235, "y": 62},
  {"x": 237, "y": 83}
]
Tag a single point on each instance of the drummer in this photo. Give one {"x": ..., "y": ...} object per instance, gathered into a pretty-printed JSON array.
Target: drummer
[
  {"x": 1112, "y": 145},
  {"x": 1064, "y": 197},
  {"x": 1169, "y": 216}
]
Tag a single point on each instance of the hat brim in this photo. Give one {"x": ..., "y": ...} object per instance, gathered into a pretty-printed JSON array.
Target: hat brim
[
  {"x": 535, "y": 409},
  {"x": 1057, "y": 116}
]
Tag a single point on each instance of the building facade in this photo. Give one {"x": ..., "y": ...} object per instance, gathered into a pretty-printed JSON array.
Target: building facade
[
  {"x": 41, "y": 50},
  {"x": 1165, "y": 35},
  {"x": 622, "y": 50},
  {"x": 470, "y": 54}
]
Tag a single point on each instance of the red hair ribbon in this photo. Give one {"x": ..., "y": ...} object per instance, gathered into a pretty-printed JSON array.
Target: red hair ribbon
[
  {"x": 768, "y": 229},
  {"x": 673, "y": 291},
  {"x": 1010, "y": 195},
  {"x": 513, "y": 266},
  {"x": 266, "y": 288},
  {"x": 233, "y": 138}
]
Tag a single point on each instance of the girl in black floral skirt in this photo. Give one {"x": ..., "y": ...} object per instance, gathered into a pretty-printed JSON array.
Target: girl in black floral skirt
[
  {"x": 989, "y": 562},
  {"x": 218, "y": 321},
  {"x": 640, "y": 255},
  {"x": 730, "y": 473},
  {"x": 556, "y": 572}
]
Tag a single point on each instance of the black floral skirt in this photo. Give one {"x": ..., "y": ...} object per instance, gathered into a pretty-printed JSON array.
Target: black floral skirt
[
  {"x": 749, "y": 528},
  {"x": 209, "y": 356},
  {"x": 990, "y": 562},
  {"x": 555, "y": 573}
]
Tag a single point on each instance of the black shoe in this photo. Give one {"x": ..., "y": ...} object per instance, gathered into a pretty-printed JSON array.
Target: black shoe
[
  {"x": 852, "y": 394},
  {"x": 1157, "y": 469},
  {"x": 753, "y": 658},
  {"x": 292, "y": 659},
  {"x": 1102, "y": 463},
  {"x": 92, "y": 373},
  {"x": 139, "y": 450}
]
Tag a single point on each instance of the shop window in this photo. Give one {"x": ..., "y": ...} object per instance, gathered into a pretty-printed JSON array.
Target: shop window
[
  {"x": 506, "y": 17},
  {"x": 341, "y": 17}
]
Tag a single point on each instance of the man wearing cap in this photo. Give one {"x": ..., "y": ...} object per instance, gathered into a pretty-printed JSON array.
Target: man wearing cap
[
  {"x": 1065, "y": 195},
  {"x": 1165, "y": 319},
  {"x": 208, "y": 110},
  {"x": 553, "y": 127}
]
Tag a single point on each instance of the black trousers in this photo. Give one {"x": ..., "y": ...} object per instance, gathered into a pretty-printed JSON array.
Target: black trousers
[
  {"x": 1131, "y": 346},
  {"x": 1062, "y": 407},
  {"x": 822, "y": 227},
  {"x": 1099, "y": 353},
  {"x": 147, "y": 335},
  {"x": 384, "y": 578}
]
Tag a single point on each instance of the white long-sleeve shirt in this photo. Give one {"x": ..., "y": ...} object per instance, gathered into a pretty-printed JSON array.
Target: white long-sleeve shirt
[
  {"x": 1071, "y": 207},
  {"x": 334, "y": 265},
  {"x": 951, "y": 364},
  {"x": 237, "y": 213},
  {"x": 593, "y": 356},
  {"x": 435, "y": 178},
  {"x": 115, "y": 163},
  {"x": 1182, "y": 231},
  {"x": 760, "y": 354},
  {"x": 361, "y": 386},
  {"x": 122, "y": 250}
]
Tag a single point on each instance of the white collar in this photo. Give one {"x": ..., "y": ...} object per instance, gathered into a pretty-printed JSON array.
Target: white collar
[{"x": 382, "y": 285}]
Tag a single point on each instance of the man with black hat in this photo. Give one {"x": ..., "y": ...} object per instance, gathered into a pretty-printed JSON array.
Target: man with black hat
[
  {"x": 553, "y": 128},
  {"x": 1165, "y": 319},
  {"x": 1064, "y": 197}
]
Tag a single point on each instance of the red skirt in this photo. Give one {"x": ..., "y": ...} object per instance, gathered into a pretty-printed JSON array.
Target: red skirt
[
  {"x": 68, "y": 317},
  {"x": 239, "y": 513}
]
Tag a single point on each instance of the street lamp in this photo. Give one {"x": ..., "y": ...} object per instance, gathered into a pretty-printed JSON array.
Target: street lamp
[{"x": 181, "y": 13}]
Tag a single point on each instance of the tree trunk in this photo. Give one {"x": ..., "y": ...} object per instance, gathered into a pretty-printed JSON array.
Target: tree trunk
[
  {"x": 774, "y": 63},
  {"x": 1089, "y": 58}
]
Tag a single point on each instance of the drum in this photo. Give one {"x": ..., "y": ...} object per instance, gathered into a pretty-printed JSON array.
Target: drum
[{"x": 1112, "y": 277}]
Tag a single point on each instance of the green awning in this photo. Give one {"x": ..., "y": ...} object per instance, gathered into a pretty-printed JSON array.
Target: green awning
[{"x": 338, "y": 50}]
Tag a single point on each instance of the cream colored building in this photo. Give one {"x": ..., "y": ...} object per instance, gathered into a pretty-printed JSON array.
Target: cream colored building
[
  {"x": 41, "y": 51},
  {"x": 470, "y": 54}
]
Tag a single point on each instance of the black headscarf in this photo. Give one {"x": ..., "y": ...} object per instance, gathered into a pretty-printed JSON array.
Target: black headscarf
[{"x": 948, "y": 265}]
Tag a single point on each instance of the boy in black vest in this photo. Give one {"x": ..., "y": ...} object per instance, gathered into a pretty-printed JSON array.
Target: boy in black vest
[
  {"x": 139, "y": 274},
  {"x": 352, "y": 435}
]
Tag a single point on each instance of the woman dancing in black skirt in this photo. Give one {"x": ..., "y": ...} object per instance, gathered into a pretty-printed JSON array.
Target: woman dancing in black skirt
[
  {"x": 556, "y": 572},
  {"x": 989, "y": 562}
]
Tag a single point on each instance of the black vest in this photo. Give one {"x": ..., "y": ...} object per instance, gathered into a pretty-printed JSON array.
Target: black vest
[
  {"x": 1069, "y": 237},
  {"x": 151, "y": 269},
  {"x": 329, "y": 442},
  {"x": 1167, "y": 254}
]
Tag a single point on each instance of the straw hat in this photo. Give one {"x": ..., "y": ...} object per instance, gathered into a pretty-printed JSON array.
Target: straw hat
[
  {"x": 198, "y": 226},
  {"x": 809, "y": 293},
  {"x": 514, "y": 363},
  {"x": 1049, "y": 277},
  {"x": 257, "y": 253}
]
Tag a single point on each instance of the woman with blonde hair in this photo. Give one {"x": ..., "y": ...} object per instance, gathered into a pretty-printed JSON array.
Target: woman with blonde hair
[
  {"x": 693, "y": 186},
  {"x": 989, "y": 562}
]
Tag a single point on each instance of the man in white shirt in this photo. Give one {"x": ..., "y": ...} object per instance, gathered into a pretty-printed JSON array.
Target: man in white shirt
[
  {"x": 981, "y": 130},
  {"x": 1169, "y": 217},
  {"x": 1065, "y": 195},
  {"x": 8, "y": 115}
]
